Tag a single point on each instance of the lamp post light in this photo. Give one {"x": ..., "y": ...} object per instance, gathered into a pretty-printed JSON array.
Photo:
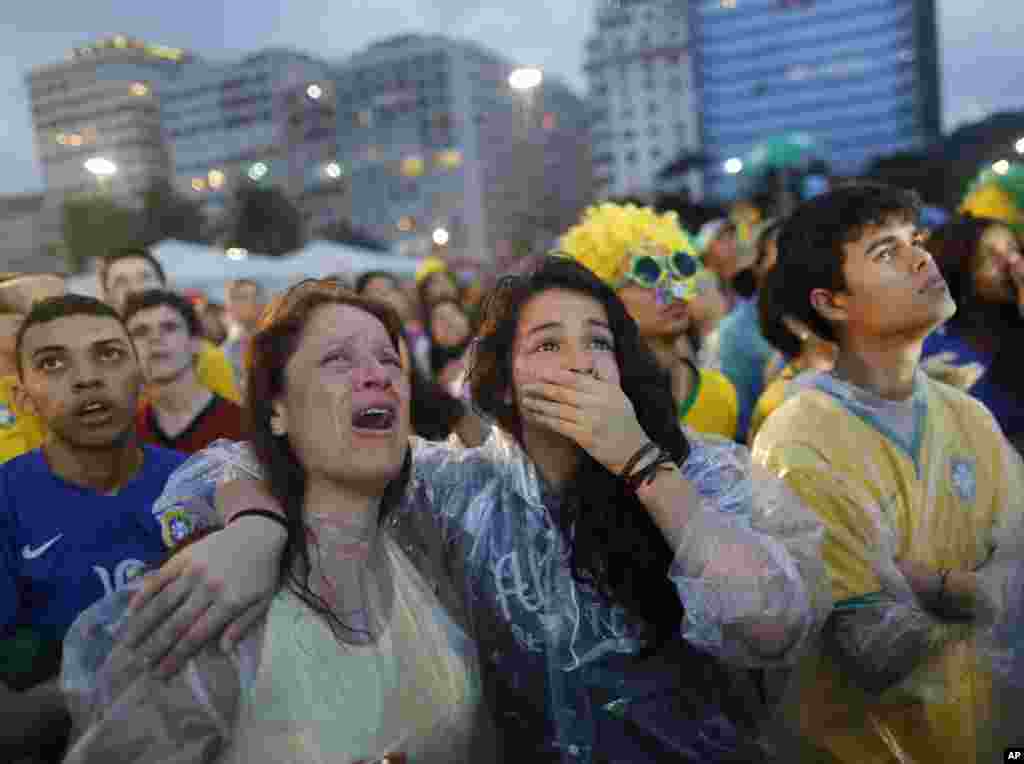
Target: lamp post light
[
  {"x": 441, "y": 237},
  {"x": 525, "y": 78},
  {"x": 734, "y": 165},
  {"x": 1019, "y": 146},
  {"x": 102, "y": 169}
]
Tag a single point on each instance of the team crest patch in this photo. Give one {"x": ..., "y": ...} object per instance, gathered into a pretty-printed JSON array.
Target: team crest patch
[
  {"x": 175, "y": 526},
  {"x": 963, "y": 478},
  {"x": 7, "y": 418}
]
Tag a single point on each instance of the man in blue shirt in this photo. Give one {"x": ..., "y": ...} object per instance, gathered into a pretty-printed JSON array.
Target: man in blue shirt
[{"x": 75, "y": 514}]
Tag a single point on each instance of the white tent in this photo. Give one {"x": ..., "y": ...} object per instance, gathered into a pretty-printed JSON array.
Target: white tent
[{"x": 194, "y": 266}]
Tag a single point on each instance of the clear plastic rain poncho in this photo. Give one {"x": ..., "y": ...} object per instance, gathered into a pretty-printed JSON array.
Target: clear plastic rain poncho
[
  {"x": 291, "y": 692},
  {"x": 560, "y": 665},
  {"x": 931, "y": 481}
]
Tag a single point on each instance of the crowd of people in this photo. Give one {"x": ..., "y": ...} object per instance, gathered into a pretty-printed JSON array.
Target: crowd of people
[{"x": 748, "y": 494}]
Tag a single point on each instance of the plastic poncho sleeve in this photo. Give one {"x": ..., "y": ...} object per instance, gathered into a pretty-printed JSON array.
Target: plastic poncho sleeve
[
  {"x": 190, "y": 491},
  {"x": 121, "y": 713},
  {"x": 751, "y": 553}
]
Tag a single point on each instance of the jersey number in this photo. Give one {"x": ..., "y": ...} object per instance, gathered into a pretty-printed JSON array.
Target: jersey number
[{"x": 124, "y": 573}]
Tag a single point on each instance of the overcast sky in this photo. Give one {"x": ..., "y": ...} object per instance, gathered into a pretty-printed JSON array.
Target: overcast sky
[{"x": 982, "y": 61}]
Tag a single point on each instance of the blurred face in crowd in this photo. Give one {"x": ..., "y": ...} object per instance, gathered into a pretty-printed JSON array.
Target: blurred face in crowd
[
  {"x": 770, "y": 250},
  {"x": 128, "y": 276},
  {"x": 386, "y": 290},
  {"x": 346, "y": 392},
  {"x": 166, "y": 350},
  {"x": 894, "y": 289},
  {"x": 655, "y": 320},
  {"x": 440, "y": 286},
  {"x": 561, "y": 330},
  {"x": 16, "y": 298},
  {"x": 81, "y": 377},
  {"x": 245, "y": 304},
  {"x": 211, "y": 316},
  {"x": 448, "y": 324},
  {"x": 722, "y": 255},
  {"x": 990, "y": 265}
]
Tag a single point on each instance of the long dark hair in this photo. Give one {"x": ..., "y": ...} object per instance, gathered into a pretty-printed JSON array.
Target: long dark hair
[
  {"x": 271, "y": 348},
  {"x": 614, "y": 544}
]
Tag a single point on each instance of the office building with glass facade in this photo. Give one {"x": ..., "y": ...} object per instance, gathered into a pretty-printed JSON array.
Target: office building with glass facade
[{"x": 860, "y": 77}]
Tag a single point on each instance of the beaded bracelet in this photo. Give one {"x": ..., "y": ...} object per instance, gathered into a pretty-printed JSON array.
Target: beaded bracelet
[{"x": 645, "y": 449}]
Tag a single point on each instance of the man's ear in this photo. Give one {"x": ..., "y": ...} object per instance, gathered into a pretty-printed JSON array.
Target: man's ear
[
  {"x": 830, "y": 305},
  {"x": 22, "y": 401}
]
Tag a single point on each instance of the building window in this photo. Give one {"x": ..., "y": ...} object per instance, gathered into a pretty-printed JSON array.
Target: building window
[
  {"x": 654, "y": 131},
  {"x": 652, "y": 108},
  {"x": 649, "y": 85},
  {"x": 628, "y": 113},
  {"x": 676, "y": 83},
  {"x": 655, "y": 154},
  {"x": 631, "y": 157},
  {"x": 629, "y": 135}
]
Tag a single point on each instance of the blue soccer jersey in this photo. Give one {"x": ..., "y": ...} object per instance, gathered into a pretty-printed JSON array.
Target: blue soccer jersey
[{"x": 63, "y": 547}]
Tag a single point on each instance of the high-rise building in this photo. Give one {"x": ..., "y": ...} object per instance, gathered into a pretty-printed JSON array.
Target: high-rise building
[
  {"x": 640, "y": 79},
  {"x": 859, "y": 77},
  {"x": 100, "y": 103},
  {"x": 229, "y": 122},
  {"x": 440, "y": 151}
]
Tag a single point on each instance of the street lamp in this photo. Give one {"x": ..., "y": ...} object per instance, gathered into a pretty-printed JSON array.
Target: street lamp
[
  {"x": 1019, "y": 145},
  {"x": 1001, "y": 167},
  {"x": 526, "y": 78},
  {"x": 100, "y": 167},
  {"x": 441, "y": 237},
  {"x": 314, "y": 91},
  {"x": 236, "y": 253},
  {"x": 103, "y": 170},
  {"x": 258, "y": 170},
  {"x": 733, "y": 165}
]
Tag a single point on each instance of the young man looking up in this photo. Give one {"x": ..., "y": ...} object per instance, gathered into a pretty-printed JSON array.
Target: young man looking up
[
  {"x": 135, "y": 270},
  {"x": 76, "y": 517},
  {"x": 179, "y": 412},
  {"x": 913, "y": 479}
]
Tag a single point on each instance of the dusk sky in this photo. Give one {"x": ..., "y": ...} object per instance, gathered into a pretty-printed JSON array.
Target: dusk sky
[{"x": 980, "y": 42}]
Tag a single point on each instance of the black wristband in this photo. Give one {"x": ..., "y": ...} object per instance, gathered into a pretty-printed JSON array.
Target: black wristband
[
  {"x": 266, "y": 513},
  {"x": 645, "y": 475},
  {"x": 645, "y": 449}
]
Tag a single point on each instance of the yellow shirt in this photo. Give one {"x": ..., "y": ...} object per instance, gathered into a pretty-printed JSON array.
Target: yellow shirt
[
  {"x": 942, "y": 498},
  {"x": 214, "y": 372},
  {"x": 713, "y": 407},
  {"x": 19, "y": 432}
]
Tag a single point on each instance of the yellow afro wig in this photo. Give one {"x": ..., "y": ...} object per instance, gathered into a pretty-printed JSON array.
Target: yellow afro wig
[
  {"x": 610, "y": 234},
  {"x": 430, "y": 266}
]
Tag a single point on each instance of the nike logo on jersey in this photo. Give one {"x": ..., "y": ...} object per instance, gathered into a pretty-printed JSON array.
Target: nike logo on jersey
[{"x": 30, "y": 554}]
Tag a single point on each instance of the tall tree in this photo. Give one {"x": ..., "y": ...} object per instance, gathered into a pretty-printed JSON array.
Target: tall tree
[
  {"x": 264, "y": 221},
  {"x": 93, "y": 225},
  {"x": 166, "y": 214}
]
